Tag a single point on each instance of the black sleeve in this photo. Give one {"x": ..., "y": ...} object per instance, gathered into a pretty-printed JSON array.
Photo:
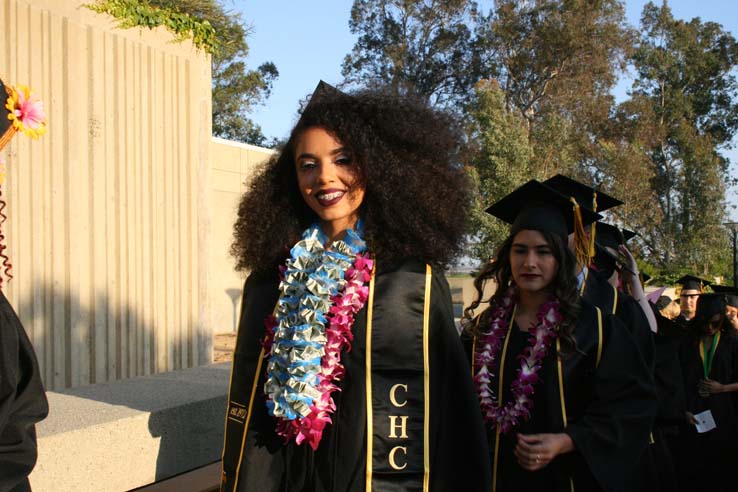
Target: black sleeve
[
  {"x": 22, "y": 401},
  {"x": 668, "y": 372},
  {"x": 632, "y": 315},
  {"x": 614, "y": 430},
  {"x": 261, "y": 459}
]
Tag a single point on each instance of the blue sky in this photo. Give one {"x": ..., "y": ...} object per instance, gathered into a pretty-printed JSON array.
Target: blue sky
[{"x": 307, "y": 40}]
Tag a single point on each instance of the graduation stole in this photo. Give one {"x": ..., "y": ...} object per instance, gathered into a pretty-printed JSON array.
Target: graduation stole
[
  {"x": 398, "y": 394},
  {"x": 397, "y": 398},
  {"x": 707, "y": 357}
]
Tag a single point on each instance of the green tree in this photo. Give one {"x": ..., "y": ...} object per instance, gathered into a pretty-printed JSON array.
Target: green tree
[
  {"x": 556, "y": 62},
  {"x": 236, "y": 89},
  {"x": 420, "y": 47},
  {"x": 683, "y": 113},
  {"x": 502, "y": 161}
]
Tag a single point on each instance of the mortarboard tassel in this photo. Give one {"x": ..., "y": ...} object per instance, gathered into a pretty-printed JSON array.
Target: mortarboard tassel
[
  {"x": 581, "y": 249},
  {"x": 591, "y": 252}
]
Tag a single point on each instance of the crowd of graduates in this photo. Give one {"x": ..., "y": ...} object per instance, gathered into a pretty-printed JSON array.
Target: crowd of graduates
[{"x": 690, "y": 346}]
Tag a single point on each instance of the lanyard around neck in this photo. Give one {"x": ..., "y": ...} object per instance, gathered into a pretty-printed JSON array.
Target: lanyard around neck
[{"x": 707, "y": 361}]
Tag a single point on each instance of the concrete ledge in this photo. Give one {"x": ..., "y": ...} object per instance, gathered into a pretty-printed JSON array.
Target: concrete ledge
[{"x": 123, "y": 435}]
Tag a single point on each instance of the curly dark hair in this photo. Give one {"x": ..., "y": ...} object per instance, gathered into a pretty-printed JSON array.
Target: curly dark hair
[
  {"x": 564, "y": 288},
  {"x": 417, "y": 192}
]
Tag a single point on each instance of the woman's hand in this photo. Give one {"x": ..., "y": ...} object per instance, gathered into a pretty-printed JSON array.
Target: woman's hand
[
  {"x": 690, "y": 418},
  {"x": 709, "y": 387},
  {"x": 535, "y": 451}
]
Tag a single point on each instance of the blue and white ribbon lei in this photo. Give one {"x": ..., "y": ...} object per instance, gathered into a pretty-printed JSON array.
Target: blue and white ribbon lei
[{"x": 314, "y": 274}]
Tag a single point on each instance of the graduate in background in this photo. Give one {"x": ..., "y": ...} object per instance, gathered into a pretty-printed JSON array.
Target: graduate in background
[
  {"x": 614, "y": 261},
  {"x": 359, "y": 381},
  {"x": 731, "y": 302},
  {"x": 22, "y": 397},
  {"x": 709, "y": 359},
  {"x": 692, "y": 287},
  {"x": 568, "y": 399}
]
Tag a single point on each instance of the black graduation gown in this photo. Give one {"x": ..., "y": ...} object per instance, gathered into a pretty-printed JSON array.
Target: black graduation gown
[
  {"x": 22, "y": 402},
  {"x": 671, "y": 404},
  {"x": 598, "y": 291},
  {"x": 668, "y": 372},
  {"x": 709, "y": 459},
  {"x": 602, "y": 294},
  {"x": 609, "y": 411},
  {"x": 458, "y": 455}
]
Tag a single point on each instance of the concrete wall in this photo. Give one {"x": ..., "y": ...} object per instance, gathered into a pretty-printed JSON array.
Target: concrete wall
[
  {"x": 108, "y": 224},
  {"x": 233, "y": 164}
]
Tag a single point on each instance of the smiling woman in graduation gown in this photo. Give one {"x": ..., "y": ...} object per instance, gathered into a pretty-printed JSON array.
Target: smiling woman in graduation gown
[
  {"x": 451, "y": 420},
  {"x": 404, "y": 412}
]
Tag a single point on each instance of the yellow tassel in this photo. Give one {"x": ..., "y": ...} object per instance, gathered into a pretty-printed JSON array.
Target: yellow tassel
[
  {"x": 592, "y": 231},
  {"x": 581, "y": 249}
]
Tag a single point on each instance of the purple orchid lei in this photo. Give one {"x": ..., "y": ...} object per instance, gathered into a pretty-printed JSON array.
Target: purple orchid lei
[
  {"x": 488, "y": 353},
  {"x": 322, "y": 290}
]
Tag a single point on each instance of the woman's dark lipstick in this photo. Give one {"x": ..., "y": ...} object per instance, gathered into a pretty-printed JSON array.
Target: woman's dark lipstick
[{"x": 329, "y": 197}]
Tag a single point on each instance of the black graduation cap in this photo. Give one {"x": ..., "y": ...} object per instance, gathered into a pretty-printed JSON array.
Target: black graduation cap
[
  {"x": 730, "y": 293},
  {"x": 708, "y": 305},
  {"x": 585, "y": 195},
  {"x": 537, "y": 207},
  {"x": 609, "y": 236},
  {"x": 7, "y": 130},
  {"x": 690, "y": 282},
  {"x": 323, "y": 91}
]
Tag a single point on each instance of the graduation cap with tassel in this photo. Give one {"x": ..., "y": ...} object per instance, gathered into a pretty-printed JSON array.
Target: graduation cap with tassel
[
  {"x": 538, "y": 207},
  {"x": 588, "y": 197}
]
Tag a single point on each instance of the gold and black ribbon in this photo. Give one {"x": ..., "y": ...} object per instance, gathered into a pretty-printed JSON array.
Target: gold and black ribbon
[{"x": 398, "y": 391}]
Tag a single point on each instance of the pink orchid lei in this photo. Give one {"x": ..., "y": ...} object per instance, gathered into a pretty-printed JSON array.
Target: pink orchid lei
[
  {"x": 299, "y": 394},
  {"x": 488, "y": 353}
]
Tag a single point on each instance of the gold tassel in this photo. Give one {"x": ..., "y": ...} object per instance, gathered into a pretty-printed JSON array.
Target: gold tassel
[
  {"x": 581, "y": 249},
  {"x": 592, "y": 231}
]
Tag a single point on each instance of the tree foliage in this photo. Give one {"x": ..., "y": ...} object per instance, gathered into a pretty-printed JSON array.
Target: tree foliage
[
  {"x": 420, "y": 47},
  {"x": 135, "y": 13},
  {"x": 236, "y": 89},
  {"x": 681, "y": 114},
  {"x": 545, "y": 105},
  {"x": 502, "y": 161}
]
